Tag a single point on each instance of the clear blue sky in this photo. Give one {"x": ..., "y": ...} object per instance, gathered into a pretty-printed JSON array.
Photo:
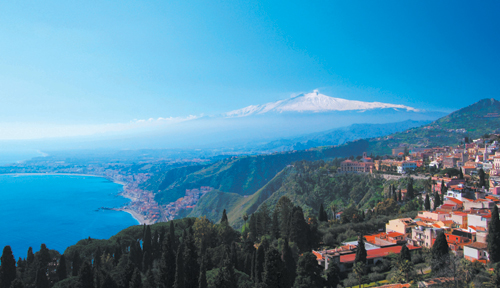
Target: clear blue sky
[{"x": 93, "y": 63}]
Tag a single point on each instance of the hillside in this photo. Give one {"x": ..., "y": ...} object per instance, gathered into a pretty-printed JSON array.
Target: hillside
[
  {"x": 247, "y": 174},
  {"x": 473, "y": 121}
]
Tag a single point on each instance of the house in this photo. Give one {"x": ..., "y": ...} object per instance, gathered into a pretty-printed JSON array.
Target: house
[
  {"x": 405, "y": 166},
  {"x": 423, "y": 236},
  {"x": 402, "y": 225},
  {"x": 476, "y": 251}
]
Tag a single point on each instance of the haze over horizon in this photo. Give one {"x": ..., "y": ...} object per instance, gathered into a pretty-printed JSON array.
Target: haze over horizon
[{"x": 72, "y": 69}]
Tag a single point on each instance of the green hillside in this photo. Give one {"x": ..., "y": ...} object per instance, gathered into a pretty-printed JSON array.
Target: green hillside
[{"x": 247, "y": 174}]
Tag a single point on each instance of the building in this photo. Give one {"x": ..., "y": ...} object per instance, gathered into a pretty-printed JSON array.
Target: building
[
  {"x": 365, "y": 165},
  {"x": 405, "y": 166},
  {"x": 423, "y": 236},
  {"x": 476, "y": 251},
  {"x": 402, "y": 226}
]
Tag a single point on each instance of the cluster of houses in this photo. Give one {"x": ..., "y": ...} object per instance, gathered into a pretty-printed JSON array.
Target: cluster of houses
[{"x": 187, "y": 202}]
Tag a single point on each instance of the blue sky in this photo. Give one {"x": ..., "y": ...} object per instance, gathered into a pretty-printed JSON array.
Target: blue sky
[{"x": 89, "y": 64}]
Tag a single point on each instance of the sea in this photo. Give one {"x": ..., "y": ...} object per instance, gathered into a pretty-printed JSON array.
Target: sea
[{"x": 58, "y": 210}]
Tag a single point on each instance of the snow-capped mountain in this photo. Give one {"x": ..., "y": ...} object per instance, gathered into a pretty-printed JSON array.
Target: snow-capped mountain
[{"x": 313, "y": 102}]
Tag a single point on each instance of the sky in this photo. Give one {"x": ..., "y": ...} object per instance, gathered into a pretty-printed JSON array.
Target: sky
[{"x": 69, "y": 68}]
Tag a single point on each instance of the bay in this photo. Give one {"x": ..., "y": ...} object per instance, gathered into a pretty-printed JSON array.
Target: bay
[{"x": 58, "y": 210}]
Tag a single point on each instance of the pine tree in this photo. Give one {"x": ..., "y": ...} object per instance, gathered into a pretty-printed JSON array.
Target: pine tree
[
  {"x": 86, "y": 277},
  {"x": 439, "y": 252},
  {"x": 493, "y": 238},
  {"x": 427, "y": 202},
  {"x": 361, "y": 251},
  {"x": 224, "y": 217},
  {"x": 61, "y": 268},
  {"x": 7, "y": 267}
]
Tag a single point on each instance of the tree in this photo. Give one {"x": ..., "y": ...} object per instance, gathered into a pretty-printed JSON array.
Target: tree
[
  {"x": 322, "y": 214},
  {"x": 273, "y": 269},
  {"x": 136, "y": 281},
  {"x": 191, "y": 265},
  {"x": 150, "y": 280},
  {"x": 437, "y": 201},
  {"x": 290, "y": 265},
  {"x": 333, "y": 275},
  {"x": 147, "y": 249},
  {"x": 461, "y": 175},
  {"x": 308, "y": 272},
  {"x": 30, "y": 257},
  {"x": 400, "y": 196},
  {"x": 224, "y": 219},
  {"x": 493, "y": 238},
  {"x": 361, "y": 251},
  {"x": 202, "y": 280},
  {"x": 275, "y": 229},
  {"x": 168, "y": 260},
  {"x": 439, "y": 252},
  {"x": 405, "y": 253},
  {"x": 427, "y": 202},
  {"x": 8, "y": 267},
  {"x": 299, "y": 229},
  {"x": 482, "y": 181},
  {"x": 409, "y": 189},
  {"x": 86, "y": 277},
  {"x": 359, "y": 270},
  {"x": 17, "y": 284},
  {"x": 443, "y": 187},
  {"x": 179, "y": 272},
  {"x": 41, "y": 280},
  {"x": 61, "y": 268}
]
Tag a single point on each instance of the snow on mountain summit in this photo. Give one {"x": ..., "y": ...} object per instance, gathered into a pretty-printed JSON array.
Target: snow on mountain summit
[{"x": 313, "y": 102}]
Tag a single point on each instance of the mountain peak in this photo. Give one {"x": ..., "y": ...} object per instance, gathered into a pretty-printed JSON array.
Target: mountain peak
[{"x": 313, "y": 102}]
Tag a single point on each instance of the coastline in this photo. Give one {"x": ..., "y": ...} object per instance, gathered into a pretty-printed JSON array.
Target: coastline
[{"x": 138, "y": 217}]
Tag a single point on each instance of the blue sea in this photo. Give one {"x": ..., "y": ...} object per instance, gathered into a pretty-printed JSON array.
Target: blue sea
[{"x": 58, "y": 210}]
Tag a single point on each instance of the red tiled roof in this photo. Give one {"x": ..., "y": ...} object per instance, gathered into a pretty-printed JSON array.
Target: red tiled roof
[
  {"x": 376, "y": 253},
  {"x": 394, "y": 234},
  {"x": 478, "y": 245},
  {"x": 456, "y": 200}
]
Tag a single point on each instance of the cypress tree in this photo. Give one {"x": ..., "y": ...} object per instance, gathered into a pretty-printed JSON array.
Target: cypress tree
[
  {"x": 166, "y": 274},
  {"x": 8, "y": 267},
  {"x": 321, "y": 213},
  {"x": 31, "y": 257},
  {"x": 361, "y": 251},
  {"x": 191, "y": 265},
  {"x": 233, "y": 256},
  {"x": 437, "y": 201},
  {"x": 252, "y": 225},
  {"x": 275, "y": 225},
  {"x": 299, "y": 229},
  {"x": 136, "y": 281},
  {"x": 41, "y": 280},
  {"x": 482, "y": 181},
  {"x": 97, "y": 258},
  {"x": 264, "y": 220},
  {"x": 290, "y": 265},
  {"x": 333, "y": 275},
  {"x": 461, "y": 174},
  {"x": 17, "y": 284},
  {"x": 273, "y": 269},
  {"x": 405, "y": 254},
  {"x": 147, "y": 249},
  {"x": 248, "y": 264},
  {"x": 395, "y": 197},
  {"x": 86, "y": 277},
  {"x": 61, "y": 268},
  {"x": 400, "y": 196},
  {"x": 443, "y": 187},
  {"x": 409, "y": 189},
  {"x": 285, "y": 208},
  {"x": 179, "y": 271},
  {"x": 493, "y": 238},
  {"x": 259, "y": 263},
  {"x": 427, "y": 202},
  {"x": 224, "y": 219},
  {"x": 76, "y": 264},
  {"x": 439, "y": 252},
  {"x": 202, "y": 280},
  {"x": 171, "y": 232},
  {"x": 108, "y": 281},
  {"x": 43, "y": 256},
  {"x": 308, "y": 272}
]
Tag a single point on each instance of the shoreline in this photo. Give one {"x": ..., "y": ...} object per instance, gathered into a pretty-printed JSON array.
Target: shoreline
[
  {"x": 138, "y": 217},
  {"x": 65, "y": 174}
]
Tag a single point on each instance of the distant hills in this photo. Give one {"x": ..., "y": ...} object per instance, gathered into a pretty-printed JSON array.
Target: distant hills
[{"x": 244, "y": 183}]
